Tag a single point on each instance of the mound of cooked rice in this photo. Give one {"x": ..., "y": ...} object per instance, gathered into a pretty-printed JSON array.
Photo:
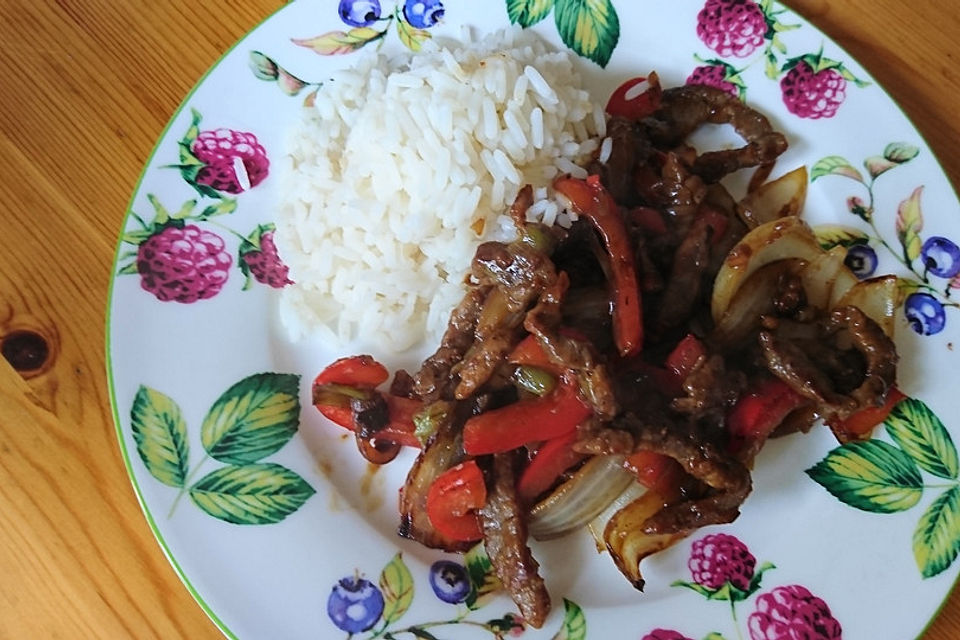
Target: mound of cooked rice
[{"x": 405, "y": 164}]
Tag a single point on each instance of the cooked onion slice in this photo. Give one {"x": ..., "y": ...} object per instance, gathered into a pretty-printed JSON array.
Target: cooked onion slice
[
  {"x": 754, "y": 299},
  {"x": 599, "y": 524},
  {"x": 776, "y": 199},
  {"x": 788, "y": 237},
  {"x": 878, "y": 298},
  {"x": 626, "y": 540},
  {"x": 826, "y": 278},
  {"x": 581, "y": 498}
]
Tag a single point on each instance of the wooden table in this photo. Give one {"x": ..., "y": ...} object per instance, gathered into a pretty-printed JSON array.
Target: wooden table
[{"x": 85, "y": 89}]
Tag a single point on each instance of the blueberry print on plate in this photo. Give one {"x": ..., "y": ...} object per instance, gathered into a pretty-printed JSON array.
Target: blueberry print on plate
[
  {"x": 358, "y": 606},
  {"x": 932, "y": 261}
]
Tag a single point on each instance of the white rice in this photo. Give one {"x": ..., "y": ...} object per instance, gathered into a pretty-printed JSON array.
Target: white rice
[{"x": 405, "y": 164}]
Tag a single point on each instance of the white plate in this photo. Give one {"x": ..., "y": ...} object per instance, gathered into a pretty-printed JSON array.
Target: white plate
[{"x": 880, "y": 570}]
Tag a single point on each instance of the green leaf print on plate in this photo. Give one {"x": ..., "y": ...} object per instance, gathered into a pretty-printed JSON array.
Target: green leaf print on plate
[
  {"x": 574, "y": 623},
  {"x": 591, "y": 28},
  {"x": 871, "y": 476},
  {"x": 915, "y": 428},
  {"x": 936, "y": 540},
  {"x": 161, "y": 436},
  {"x": 251, "y": 420},
  {"x": 876, "y": 476},
  {"x": 263, "y": 493},
  {"x": 527, "y": 13},
  {"x": 396, "y": 584}
]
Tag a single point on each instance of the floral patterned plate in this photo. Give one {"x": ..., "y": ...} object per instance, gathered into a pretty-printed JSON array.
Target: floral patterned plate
[{"x": 280, "y": 531}]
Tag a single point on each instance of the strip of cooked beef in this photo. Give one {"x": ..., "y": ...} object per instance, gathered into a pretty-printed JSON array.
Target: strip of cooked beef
[
  {"x": 843, "y": 363},
  {"x": 679, "y": 193},
  {"x": 685, "y": 286},
  {"x": 505, "y": 534},
  {"x": 595, "y": 437},
  {"x": 629, "y": 149},
  {"x": 516, "y": 273},
  {"x": 683, "y": 109},
  {"x": 570, "y": 352},
  {"x": 434, "y": 380},
  {"x": 702, "y": 452},
  {"x": 709, "y": 390}
]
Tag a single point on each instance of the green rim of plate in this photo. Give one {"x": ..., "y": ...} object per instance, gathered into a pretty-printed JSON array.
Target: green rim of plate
[
  {"x": 109, "y": 307},
  {"x": 109, "y": 324}
]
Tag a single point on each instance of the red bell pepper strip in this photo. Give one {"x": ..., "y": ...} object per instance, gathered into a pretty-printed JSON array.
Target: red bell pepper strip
[
  {"x": 685, "y": 357},
  {"x": 548, "y": 463},
  {"x": 555, "y": 414},
  {"x": 649, "y": 220},
  {"x": 355, "y": 376},
  {"x": 636, "y": 98},
  {"x": 758, "y": 412},
  {"x": 400, "y": 428},
  {"x": 354, "y": 371},
  {"x": 862, "y": 422},
  {"x": 591, "y": 200},
  {"x": 657, "y": 472},
  {"x": 452, "y": 501},
  {"x": 529, "y": 352}
]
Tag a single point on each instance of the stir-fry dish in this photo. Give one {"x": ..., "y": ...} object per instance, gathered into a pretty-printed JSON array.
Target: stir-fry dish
[{"x": 622, "y": 374}]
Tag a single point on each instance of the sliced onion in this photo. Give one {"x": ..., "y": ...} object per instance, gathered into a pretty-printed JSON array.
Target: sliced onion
[
  {"x": 776, "y": 199},
  {"x": 597, "y": 526},
  {"x": 578, "y": 500},
  {"x": 878, "y": 298},
  {"x": 626, "y": 541},
  {"x": 788, "y": 237},
  {"x": 825, "y": 273},
  {"x": 754, "y": 299}
]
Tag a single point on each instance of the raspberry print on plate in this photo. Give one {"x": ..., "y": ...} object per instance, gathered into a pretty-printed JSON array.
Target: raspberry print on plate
[
  {"x": 812, "y": 85},
  {"x": 724, "y": 569},
  {"x": 178, "y": 260}
]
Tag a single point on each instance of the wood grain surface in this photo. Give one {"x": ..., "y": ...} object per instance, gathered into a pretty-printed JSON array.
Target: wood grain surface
[{"x": 86, "y": 87}]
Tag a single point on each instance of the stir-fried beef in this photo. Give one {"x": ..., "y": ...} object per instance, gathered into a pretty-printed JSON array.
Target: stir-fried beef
[
  {"x": 434, "y": 380},
  {"x": 504, "y": 524},
  {"x": 557, "y": 291},
  {"x": 685, "y": 108},
  {"x": 842, "y": 363},
  {"x": 701, "y": 451}
]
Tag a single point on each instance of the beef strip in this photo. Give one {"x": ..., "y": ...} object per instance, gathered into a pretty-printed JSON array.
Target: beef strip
[
  {"x": 813, "y": 359},
  {"x": 505, "y": 534},
  {"x": 516, "y": 274},
  {"x": 434, "y": 379},
  {"x": 701, "y": 451}
]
